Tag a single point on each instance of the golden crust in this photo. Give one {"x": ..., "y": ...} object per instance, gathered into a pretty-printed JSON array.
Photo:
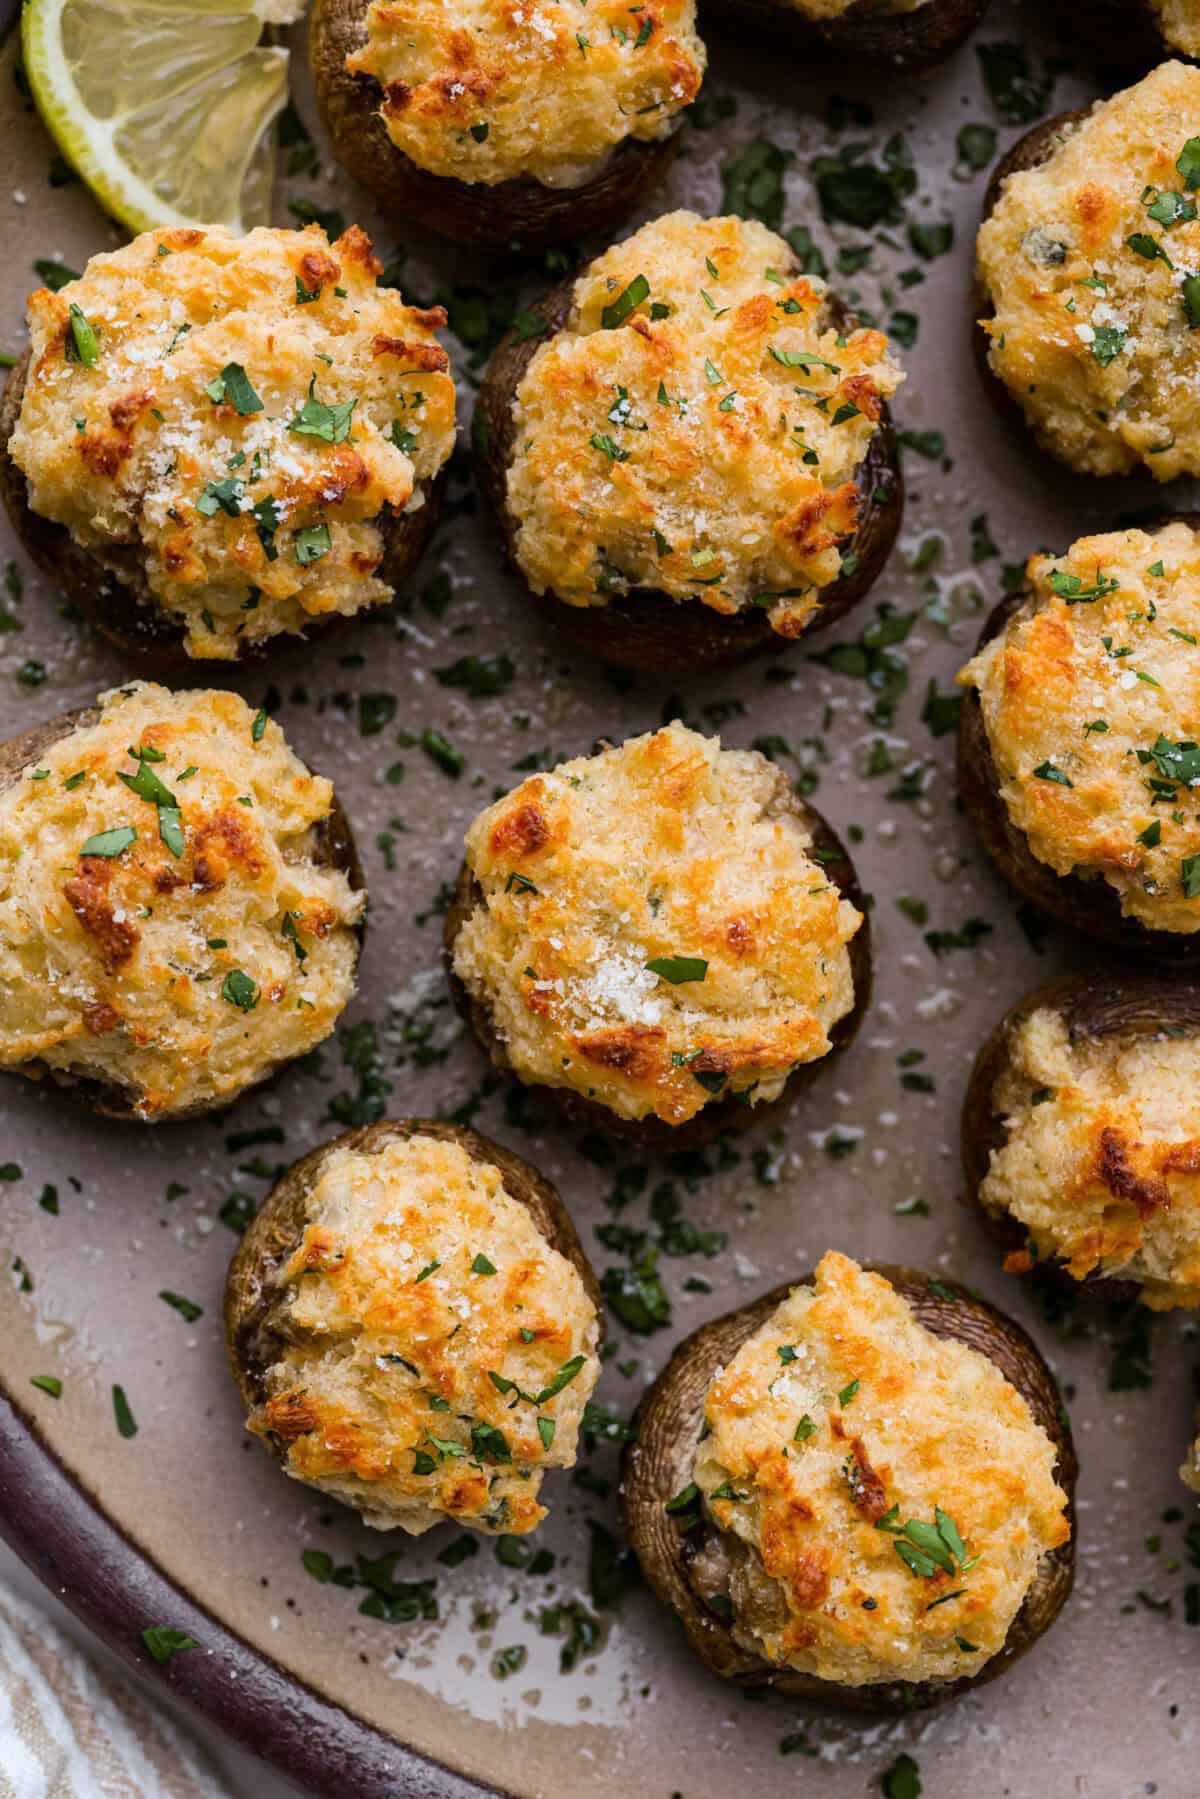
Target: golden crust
[
  {"x": 1090, "y": 698},
  {"x": 666, "y": 847},
  {"x": 180, "y": 979},
  {"x": 426, "y": 1321},
  {"x": 493, "y": 90},
  {"x": 1179, "y": 22},
  {"x": 228, "y": 504},
  {"x": 709, "y": 454},
  {"x": 1101, "y": 1159},
  {"x": 834, "y": 1425},
  {"x": 1093, "y": 329}
]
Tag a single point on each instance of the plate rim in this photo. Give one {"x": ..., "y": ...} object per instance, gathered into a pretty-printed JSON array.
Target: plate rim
[{"x": 67, "y": 1538}]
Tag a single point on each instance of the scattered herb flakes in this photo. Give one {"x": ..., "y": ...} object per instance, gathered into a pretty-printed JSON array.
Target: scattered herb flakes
[
  {"x": 331, "y": 221},
  {"x": 1015, "y": 91},
  {"x": 976, "y": 147},
  {"x": 1130, "y": 1368},
  {"x": 481, "y": 676},
  {"x": 375, "y": 712},
  {"x": 612, "y": 1570},
  {"x": 238, "y": 1211},
  {"x": 637, "y": 1296},
  {"x": 931, "y": 240},
  {"x": 966, "y": 937},
  {"x": 126, "y": 1424},
  {"x": 54, "y": 275},
  {"x": 186, "y": 1308},
  {"x": 902, "y": 1780},
  {"x": 47, "y": 1383},
  {"x": 509, "y": 1661},
  {"x": 941, "y": 710},
  {"x": 752, "y": 182},
  {"x": 440, "y": 750},
  {"x": 163, "y": 1641}
]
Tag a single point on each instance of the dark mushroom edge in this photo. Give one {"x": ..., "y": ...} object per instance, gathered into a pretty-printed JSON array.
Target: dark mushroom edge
[
  {"x": 658, "y": 1461},
  {"x": 863, "y": 37},
  {"x": 646, "y": 629},
  {"x": 1029, "y": 152}
]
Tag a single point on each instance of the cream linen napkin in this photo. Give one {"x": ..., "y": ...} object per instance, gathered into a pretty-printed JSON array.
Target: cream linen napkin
[{"x": 71, "y": 1730}]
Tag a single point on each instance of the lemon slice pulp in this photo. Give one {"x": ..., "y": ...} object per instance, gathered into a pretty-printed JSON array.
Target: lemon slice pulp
[{"x": 164, "y": 108}]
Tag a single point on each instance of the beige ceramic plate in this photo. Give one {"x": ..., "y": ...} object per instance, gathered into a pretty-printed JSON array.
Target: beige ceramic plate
[{"x": 188, "y": 1524}]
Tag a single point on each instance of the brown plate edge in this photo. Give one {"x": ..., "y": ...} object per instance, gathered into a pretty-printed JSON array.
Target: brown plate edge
[{"x": 64, "y": 1535}]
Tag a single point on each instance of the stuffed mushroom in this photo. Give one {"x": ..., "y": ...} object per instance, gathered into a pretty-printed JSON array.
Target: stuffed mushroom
[
  {"x": 506, "y": 126},
  {"x": 688, "y": 449},
  {"x": 857, "y": 1490},
  {"x": 415, "y": 1329},
  {"x": 181, "y": 905},
  {"x": 216, "y": 442},
  {"x": 891, "y": 35},
  {"x": 663, "y": 936},
  {"x": 1091, "y": 312},
  {"x": 1081, "y": 1135},
  {"x": 1077, "y": 739}
]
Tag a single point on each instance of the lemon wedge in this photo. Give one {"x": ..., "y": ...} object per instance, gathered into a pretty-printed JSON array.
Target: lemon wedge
[{"x": 164, "y": 108}]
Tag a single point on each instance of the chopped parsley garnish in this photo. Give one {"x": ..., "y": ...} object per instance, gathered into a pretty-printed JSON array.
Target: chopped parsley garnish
[
  {"x": 804, "y": 1430},
  {"x": 566, "y": 1374},
  {"x": 1188, "y": 163},
  {"x": 221, "y": 496},
  {"x": 1142, "y": 244},
  {"x": 233, "y": 384},
  {"x": 48, "y": 1383},
  {"x": 626, "y": 302},
  {"x": 1108, "y": 343},
  {"x": 926, "y": 1548},
  {"x": 1072, "y": 589},
  {"x": 239, "y": 990},
  {"x": 1189, "y": 870},
  {"x": 1191, "y": 300},
  {"x": 847, "y": 1393},
  {"x": 489, "y": 1444},
  {"x": 311, "y": 543},
  {"x": 600, "y": 440},
  {"x": 1048, "y": 772},
  {"x": 109, "y": 843},
  {"x": 146, "y": 784},
  {"x": 163, "y": 1640},
  {"x": 678, "y": 969},
  {"x": 81, "y": 345},
  {"x": 481, "y": 1265},
  {"x": 316, "y": 419}
]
